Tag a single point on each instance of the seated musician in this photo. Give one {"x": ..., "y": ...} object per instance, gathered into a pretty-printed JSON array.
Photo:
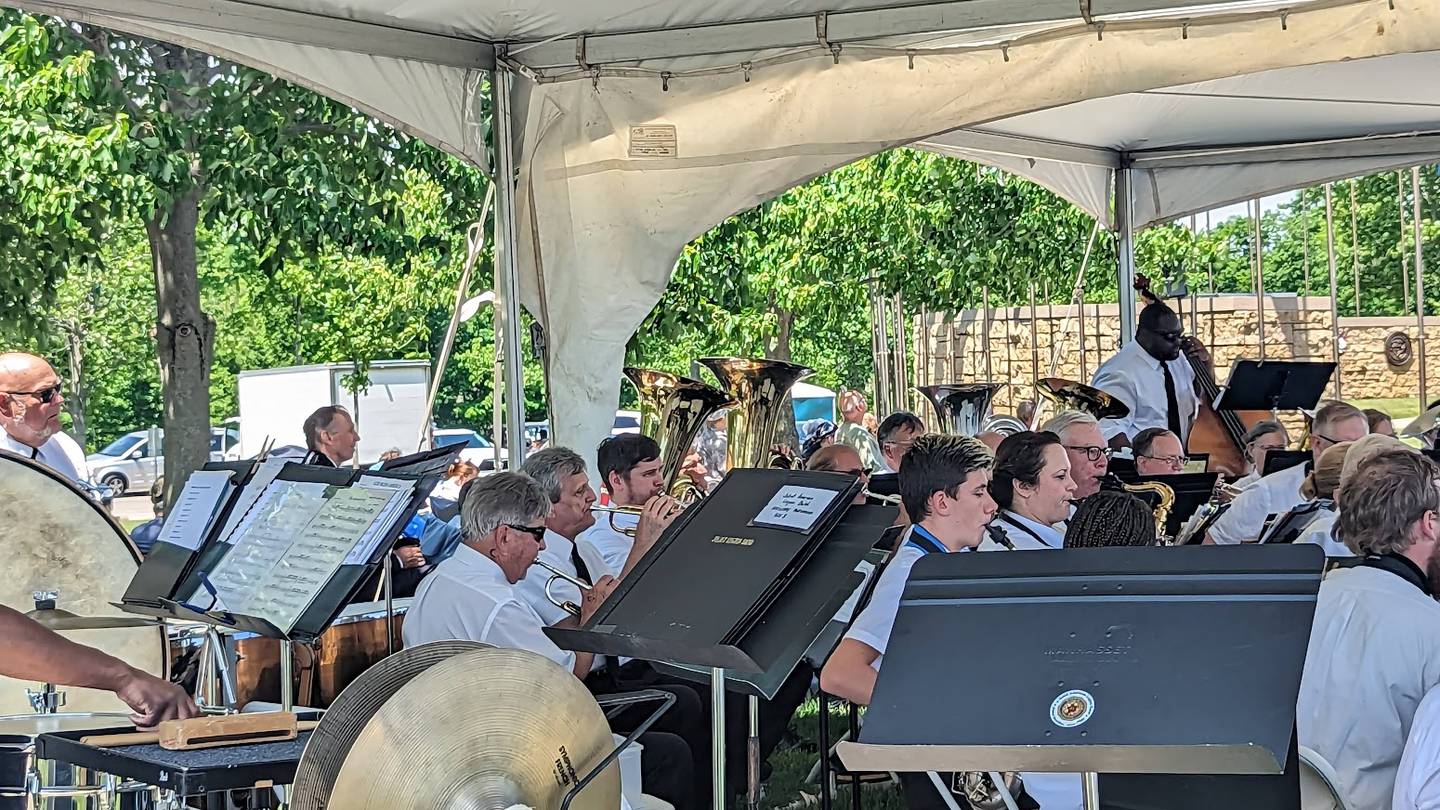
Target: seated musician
[
  {"x": 1032, "y": 486},
  {"x": 1089, "y": 456},
  {"x": 1274, "y": 494},
  {"x": 1374, "y": 647},
  {"x": 35, "y": 653},
  {"x": 630, "y": 472},
  {"x": 1311, "y": 521},
  {"x": 1324, "y": 531},
  {"x": 1259, "y": 440},
  {"x": 330, "y": 436},
  {"x": 1111, "y": 518},
  {"x": 1158, "y": 452},
  {"x": 1417, "y": 782},
  {"x": 473, "y": 595},
  {"x": 1380, "y": 422},
  {"x": 840, "y": 458},
  {"x": 30, "y": 405},
  {"x": 1151, "y": 377},
  {"x": 896, "y": 434}
]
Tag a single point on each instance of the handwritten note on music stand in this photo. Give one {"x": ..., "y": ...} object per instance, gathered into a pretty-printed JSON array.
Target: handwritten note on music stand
[{"x": 795, "y": 508}]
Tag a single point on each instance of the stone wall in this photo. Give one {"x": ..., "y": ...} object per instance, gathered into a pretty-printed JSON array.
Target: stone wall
[{"x": 952, "y": 348}]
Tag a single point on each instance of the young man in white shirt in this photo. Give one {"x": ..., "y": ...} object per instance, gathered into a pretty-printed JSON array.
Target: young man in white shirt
[
  {"x": 630, "y": 469},
  {"x": 1278, "y": 493},
  {"x": 30, "y": 406},
  {"x": 472, "y": 596},
  {"x": 1374, "y": 649}
]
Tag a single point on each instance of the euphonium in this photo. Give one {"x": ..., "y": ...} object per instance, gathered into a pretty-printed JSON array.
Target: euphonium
[
  {"x": 961, "y": 409},
  {"x": 760, "y": 387},
  {"x": 672, "y": 411}
]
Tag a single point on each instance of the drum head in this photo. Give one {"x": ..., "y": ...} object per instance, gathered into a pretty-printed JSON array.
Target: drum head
[{"x": 55, "y": 538}]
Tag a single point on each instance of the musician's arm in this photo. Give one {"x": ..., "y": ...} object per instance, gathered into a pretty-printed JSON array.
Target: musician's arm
[{"x": 848, "y": 674}]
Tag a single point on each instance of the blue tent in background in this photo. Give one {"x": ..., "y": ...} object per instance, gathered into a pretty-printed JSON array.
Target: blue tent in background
[{"x": 812, "y": 402}]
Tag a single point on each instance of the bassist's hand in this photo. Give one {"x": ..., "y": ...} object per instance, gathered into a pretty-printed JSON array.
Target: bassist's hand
[{"x": 1196, "y": 349}]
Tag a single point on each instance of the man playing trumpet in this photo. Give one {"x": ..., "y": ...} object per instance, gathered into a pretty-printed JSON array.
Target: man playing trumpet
[{"x": 630, "y": 469}]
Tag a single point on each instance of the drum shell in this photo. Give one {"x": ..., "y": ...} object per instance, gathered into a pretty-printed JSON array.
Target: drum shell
[
  {"x": 338, "y": 656},
  {"x": 17, "y": 742}
]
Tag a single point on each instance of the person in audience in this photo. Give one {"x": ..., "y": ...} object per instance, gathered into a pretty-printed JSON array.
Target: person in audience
[
  {"x": 1374, "y": 650},
  {"x": 896, "y": 434},
  {"x": 818, "y": 433},
  {"x": 1089, "y": 454},
  {"x": 1380, "y": 422},
  {"x": 871, "y": 423},
  {"x": 1111, "y": 518},
  {"x": 1311, "y": 521},
  {"x": 852, "y": 430},
  {"x": 1157, "y": 452},
  {"x": 1032, "y": 486},
  {"x": 1243, "y": 522},
  {"x": 1260, "y": 439}
]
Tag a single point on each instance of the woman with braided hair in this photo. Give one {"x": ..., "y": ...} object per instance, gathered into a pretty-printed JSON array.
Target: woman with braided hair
[{"x": 1111, "y": 518}]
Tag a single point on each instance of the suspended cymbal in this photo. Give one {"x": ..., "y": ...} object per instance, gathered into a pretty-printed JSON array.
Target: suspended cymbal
[
  {"x": 483, "y": 730},
  {"x": 1081, "y": 397},
  {"x": 63, "y": 620},
  {"x": 1424, "y": 423}
]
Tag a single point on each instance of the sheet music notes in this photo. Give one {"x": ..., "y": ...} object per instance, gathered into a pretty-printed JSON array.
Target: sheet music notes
[{"x": 204, "y": 491}]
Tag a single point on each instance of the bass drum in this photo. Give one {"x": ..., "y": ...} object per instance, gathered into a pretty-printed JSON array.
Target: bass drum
[{"x": 53, "y": 537}]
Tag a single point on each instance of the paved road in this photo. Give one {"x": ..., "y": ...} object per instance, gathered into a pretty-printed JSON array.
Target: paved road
[{"x": 132, "y": 508}]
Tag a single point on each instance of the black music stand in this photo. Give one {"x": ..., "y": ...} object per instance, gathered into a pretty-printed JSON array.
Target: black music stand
[
  {"x": 1277, "y": 460},
  {"x": 1114, "y": 661},
  {"x": 723, "y": 591},
  {"x": 1274, "y": 385}
]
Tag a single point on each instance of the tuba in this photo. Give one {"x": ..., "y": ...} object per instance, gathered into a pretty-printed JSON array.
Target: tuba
[
  {"x": 960, "y": 408},
  {"x": 672, "y": 411},
  {"x": 760, "y": 388}
]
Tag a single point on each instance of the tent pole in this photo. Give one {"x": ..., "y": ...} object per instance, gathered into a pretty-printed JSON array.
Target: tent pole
[
  {"x": 1125, "y": 251},
  {"x": 1334, "y": 294},
  {"x": 1355, "y": 245},
  {"x": 987, "y": 324},
  {"x": 902, "y": 358},
  {"x": 506, "y": 240},
  {"x": 1419, "y": 279},
  {"x": 1404, "y": 259},
  {"x": 1259, "y": 275},
  {"x": 1034, "y": 346}
]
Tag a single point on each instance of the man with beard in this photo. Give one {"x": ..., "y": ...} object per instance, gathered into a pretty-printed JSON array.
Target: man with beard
[
  {"x": 1375, "y": 644},
  {"x": 1151, "y": 377}
]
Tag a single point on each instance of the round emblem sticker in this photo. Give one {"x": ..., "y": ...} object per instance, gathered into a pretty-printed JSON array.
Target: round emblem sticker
[{"x": 1072, "y": 708}]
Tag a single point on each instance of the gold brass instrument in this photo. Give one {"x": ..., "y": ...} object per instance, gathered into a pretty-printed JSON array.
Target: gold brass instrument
[
  {"x": 887, "y": 500},
  {"x": 555, "y": 573},
  {"x": 760, "y": 388},
  {"x": 612, "y": 511},
  {"x": 672, "y": 411},
  {"x": 1166, "y": 497},
  {"x": 960, "y": 409},
  {"x": 1071, "y": 395}
]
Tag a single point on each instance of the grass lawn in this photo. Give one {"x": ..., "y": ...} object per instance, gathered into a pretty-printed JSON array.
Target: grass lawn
[
  {"x": 1400, "y": 410},
  {"x": 793, "y": 759}
]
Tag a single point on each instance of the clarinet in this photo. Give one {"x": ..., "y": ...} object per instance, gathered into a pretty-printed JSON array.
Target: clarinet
[{"x": 998, "y": 535}]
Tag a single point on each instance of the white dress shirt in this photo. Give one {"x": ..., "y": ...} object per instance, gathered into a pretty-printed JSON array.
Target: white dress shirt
[
  {"x": 1417, "y": 783},
  {"x": 468, "y": 598},
  {"x": 531, "y": 589},
  {"x": 1321, "y": 532},
  {"x": 1134, "y": 377},
  {"x": 607, "y": 543},
  {"x": 1275, "y": 494},
  {"x": 872, "y": 627},
  {"x": 60, "y": 453},
  {"x": 1374, "y": 654},
  {"x": 1025, "y": 534}
]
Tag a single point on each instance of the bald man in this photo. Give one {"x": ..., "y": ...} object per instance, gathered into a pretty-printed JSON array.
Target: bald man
[
  {"x": 30, "y": 405},
  {"x": 840, "y": 458}
]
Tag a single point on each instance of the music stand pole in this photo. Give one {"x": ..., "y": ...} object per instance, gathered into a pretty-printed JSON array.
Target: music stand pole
[
  {"x": 287, "y": 676},
  {"x": 388, "y": 583},
  {"x": 1090, "y": 787},
  {"x": 717, "y": 738},
  {"x": 752, "y": 757}
]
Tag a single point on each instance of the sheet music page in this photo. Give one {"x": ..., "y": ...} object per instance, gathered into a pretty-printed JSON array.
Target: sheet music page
[
  {"x": 204, "y": 492},
  {"x": 398, "y": 492},
  {"x": 254, "y": 490},
  {"x": 262, "y": 538},
  {"x": 795, "y": 508}
]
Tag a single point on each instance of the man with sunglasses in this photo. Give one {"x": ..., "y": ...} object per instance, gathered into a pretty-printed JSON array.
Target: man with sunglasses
[
  {"x": 1152, "y": 378},
  {"x": 30, "y": 405}
]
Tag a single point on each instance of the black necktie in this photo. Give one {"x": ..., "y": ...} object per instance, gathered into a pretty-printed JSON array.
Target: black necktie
[{"x": 1172, "y": 406}]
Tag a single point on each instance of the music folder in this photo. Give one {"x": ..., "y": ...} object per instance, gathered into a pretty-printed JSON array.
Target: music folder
[
  {"x": 1114, "y": 661},
  {"x": 731, "y": 585}
]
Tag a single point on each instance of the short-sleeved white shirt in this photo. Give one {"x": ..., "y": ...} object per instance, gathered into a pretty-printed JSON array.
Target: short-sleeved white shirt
[{"x": 872, "y": 627}]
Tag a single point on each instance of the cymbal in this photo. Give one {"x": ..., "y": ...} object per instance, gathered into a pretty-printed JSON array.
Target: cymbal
[
  {"x": 485, "y": 730},
  {"x": 1424, "y": 423},
  {"x": 63, "y": 620},
  {"x": 1081, "y": 397}
]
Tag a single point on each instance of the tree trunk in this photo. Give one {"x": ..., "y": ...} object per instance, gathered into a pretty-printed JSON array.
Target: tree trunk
[
  {"x": 79, "y": 391},
  {"x": 184, "y": 339}
]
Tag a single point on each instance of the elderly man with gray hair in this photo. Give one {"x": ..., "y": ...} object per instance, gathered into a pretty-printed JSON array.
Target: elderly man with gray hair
[
  {"x": 1375, "y": 643},
  {"x": 1089, "y": 454}
]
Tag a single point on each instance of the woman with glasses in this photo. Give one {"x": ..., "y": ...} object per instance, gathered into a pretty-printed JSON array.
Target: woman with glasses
[
  {"x": 30, "y": 405},
  {"x": 1032, "y": 487},
  {"x": 1258, "y": 441}
]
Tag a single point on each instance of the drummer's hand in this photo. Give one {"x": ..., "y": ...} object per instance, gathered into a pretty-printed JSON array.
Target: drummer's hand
[
  {"x": 659, "y": 512},
  {"x": 410, "y": 556},
  {"x": 592, "y": 599},
  {"x": 153, "y": 700}
]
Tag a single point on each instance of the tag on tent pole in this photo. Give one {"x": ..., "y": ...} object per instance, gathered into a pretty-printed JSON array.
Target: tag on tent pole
[{"x": 654, "y": 141}]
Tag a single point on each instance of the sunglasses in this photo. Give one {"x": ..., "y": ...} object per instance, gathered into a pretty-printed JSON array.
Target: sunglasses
[
  {"x": 537, "y": 532},
  {"x": 858, "y": 472},
  {"x": 45, "y": 395},
  {"x": 1171, "y": 336}
]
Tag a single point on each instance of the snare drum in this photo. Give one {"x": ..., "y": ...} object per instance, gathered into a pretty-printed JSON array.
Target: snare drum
[{"x": 24, "y": 780}]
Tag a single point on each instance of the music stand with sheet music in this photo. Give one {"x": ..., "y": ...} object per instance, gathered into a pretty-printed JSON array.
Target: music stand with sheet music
[
  {"x": 728, "y": 589},
  {"x": 1274, "y": 385},
  {"x": 1114, "y": 661}
]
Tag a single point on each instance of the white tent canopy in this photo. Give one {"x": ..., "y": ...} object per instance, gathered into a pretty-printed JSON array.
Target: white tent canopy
[{"x": 765, "y": 94}]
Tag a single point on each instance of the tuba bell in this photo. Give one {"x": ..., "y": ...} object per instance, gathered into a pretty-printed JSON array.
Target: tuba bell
[
  {"x": 672, "y": 411},
  {"x": 961, "y": 408},
  {"x": 760, "y": 388}
]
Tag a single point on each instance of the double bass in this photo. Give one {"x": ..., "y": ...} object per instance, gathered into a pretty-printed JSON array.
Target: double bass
[{"x": 1218, "y": 433}]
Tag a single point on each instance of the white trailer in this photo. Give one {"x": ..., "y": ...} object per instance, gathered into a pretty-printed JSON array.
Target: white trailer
[{"x": 275, "y": 401}]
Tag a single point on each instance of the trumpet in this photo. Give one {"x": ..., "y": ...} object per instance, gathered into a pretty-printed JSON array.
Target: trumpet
[
  {"x": 555, "y": 573},
  {"x": 888, "y": 500},
  {"x": 628, "y": 531}
]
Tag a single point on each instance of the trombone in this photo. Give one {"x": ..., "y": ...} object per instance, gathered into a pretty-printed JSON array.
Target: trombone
[{"x": 555, "y": 573}]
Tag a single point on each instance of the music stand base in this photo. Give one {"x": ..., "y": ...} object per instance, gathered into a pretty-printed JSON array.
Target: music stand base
[
  {"x": 717, "y": 738},
  {"x": 752, "y": 757}
]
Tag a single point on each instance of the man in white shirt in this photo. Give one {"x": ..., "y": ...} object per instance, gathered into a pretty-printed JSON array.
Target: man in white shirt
[
  {"x": 1374, "y": 649},
  {"x": 630, "y": 470},
  {"x": 1279, "y": 492},
  {"x": 1417, "y": 783},
  {"x": 1089, "y": 456},
  {"x": 472, "y": 596},
  {"x": 30, "y": 406},
  {"x": 1152, "y": 378},
  {"x": 852, "y": 431},
  {"x": 896, "y": 434},
  {"x": 1158, "y": 452}
]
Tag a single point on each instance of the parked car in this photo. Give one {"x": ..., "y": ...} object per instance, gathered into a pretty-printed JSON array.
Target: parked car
[
  {"x": 131, "y": 464},
  {"x": 479, "y": 450}
]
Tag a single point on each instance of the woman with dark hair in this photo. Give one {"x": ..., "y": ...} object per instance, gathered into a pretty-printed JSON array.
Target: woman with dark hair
[
  {"x": 1111, "y": 518},
  {"x": 1032, "y": 486}
]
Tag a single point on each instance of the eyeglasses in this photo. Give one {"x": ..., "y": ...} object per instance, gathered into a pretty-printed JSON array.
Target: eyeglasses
[
  {"x": 537, "y": 532},
  {"x": 1092, "y": 453},
  {"x": 1172, "y": 336},
  {"x": 858, "y": 472},
  {"x": 901, "y": 445},
  {"x": 45, "y": 395},
  {"x": 1326, "y": 438},
  {"x": 1174, "y": 462}
]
